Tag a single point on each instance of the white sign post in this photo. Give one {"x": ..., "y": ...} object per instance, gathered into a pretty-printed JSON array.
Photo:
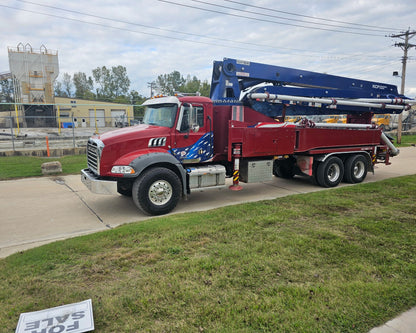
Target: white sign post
[{"x": 71, "y": 318}]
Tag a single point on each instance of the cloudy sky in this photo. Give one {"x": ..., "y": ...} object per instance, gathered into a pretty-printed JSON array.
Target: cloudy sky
[{"x": 153, "y": 37}]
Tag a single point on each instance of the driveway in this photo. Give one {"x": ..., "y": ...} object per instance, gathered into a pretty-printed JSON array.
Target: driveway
[{"x": 36, "y": 211}]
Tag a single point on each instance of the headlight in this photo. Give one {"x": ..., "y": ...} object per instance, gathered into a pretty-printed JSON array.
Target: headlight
[{"x": 124, "y": 169}]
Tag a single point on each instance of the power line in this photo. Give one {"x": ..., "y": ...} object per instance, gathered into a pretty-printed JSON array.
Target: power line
[
  {"x": 146, "y": 33},
  {"x": 146, "y": 26},
  {"x": 339, "y": 57},
  {"x": 271, "y": 49},
  {"x": 109, "y": 19},
  {"x": 382, "y": 29},
  {"x": 311, "y": 17},
  {"x": 406, "y": 46},
  {"x": 377, "y": 66},
  {"x": 287, "y": 19},
  {"x": 269, "y": 21}
]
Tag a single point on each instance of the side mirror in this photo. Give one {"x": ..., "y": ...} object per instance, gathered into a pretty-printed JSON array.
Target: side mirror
[{"x": 195, "y": 128}]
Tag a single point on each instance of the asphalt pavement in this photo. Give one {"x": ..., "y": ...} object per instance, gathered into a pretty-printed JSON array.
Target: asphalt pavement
[{"x": 36, "y": 211}]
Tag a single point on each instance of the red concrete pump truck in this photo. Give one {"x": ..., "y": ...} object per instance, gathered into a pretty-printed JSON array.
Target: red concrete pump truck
[{"x": 188, "y": 143}]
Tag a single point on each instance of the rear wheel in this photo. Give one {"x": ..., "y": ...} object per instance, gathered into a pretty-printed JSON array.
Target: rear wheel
[
  {"x": 355, "y": 169},
  {"x": 157, "y": 191},
  {"x": 330, "y": 172},
  {"x": 315, "y": 172},
  {"x": 284, "y": 168}
]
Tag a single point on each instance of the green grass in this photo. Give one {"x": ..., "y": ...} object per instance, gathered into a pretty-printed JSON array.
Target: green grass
[
  {"x": 407, "y": 141},
  {"x": 28, "y": 166},
  {"x": 341, "y": 260}
]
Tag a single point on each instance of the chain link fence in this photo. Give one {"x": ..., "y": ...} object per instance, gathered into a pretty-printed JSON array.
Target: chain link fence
[{"x": 55, "y": 135}]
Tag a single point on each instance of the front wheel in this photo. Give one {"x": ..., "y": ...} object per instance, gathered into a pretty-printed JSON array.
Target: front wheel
[
  {"x": 330, "y": 172},
  {"x": 157, "y": 191}
]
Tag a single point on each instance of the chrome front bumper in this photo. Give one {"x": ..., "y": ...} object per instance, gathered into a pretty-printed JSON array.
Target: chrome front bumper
[{"x": 96, "y": 185}]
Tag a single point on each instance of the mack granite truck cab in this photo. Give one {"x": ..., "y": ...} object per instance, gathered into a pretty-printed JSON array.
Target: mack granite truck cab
[{"x": 188, "y": 143}]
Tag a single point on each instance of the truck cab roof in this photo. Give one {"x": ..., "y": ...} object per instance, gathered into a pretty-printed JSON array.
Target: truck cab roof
[{"x": 176, "y": 100}]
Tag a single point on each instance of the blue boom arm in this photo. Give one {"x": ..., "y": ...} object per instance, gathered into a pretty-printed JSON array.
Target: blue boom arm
[{"x": 232, "y": 78}]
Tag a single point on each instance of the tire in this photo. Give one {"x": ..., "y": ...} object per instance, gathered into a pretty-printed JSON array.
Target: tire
[
  {"x": 355, "y": 169},
  {"x": 157, "y": 191},
  {"x": 315, "y": 172},
  {"x": 124, "y": 188},
  {"x": 284, "y": 168},
  {"x": 330, "y": 172}
]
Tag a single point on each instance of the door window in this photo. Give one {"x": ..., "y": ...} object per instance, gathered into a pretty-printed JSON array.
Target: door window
[{"x": 191, "y": 118}]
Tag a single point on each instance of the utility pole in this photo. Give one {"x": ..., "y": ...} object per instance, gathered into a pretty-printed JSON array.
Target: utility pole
[
  {"x": 151, "y": 85},
  {"x": 405, "y": 47}
]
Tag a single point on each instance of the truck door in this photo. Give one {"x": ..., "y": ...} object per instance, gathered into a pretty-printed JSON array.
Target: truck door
[{"x": 193, "y": 135}]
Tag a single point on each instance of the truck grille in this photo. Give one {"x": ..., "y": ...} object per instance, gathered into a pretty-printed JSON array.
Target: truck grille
[{"x": 93, "y": 155}]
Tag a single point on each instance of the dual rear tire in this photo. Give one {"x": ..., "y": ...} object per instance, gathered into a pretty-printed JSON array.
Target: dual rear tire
[
  {"x": 333, "y": 170},
  {"x": 355, "y": 169},
  {"x": 330, "y": 172}
]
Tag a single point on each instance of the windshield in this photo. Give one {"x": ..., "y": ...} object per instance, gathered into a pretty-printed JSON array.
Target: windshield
[{"x": 160, "y": 115}]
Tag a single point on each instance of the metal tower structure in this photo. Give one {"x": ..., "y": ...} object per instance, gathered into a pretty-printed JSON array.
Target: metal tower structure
[{"x": 33, "y": 73}]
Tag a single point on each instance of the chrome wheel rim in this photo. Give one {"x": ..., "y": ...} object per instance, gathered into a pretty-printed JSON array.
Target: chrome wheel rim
[
  {"x": 359, "y": 169},
  {"x": 334, "y": 172},
  {"x": 160, "y": 192}
]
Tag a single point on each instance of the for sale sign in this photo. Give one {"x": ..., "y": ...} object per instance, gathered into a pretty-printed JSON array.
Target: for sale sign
[{"x": 71, "y": 318}]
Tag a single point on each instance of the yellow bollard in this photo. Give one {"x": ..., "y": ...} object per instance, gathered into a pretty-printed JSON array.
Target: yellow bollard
[{"x": 17, "y": 120}]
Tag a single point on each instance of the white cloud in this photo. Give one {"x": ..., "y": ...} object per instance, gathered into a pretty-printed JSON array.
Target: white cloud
[{"x": 176, "y": 40}]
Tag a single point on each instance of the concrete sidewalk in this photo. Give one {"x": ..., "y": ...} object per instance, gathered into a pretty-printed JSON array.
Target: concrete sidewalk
[
  {"x": 36, "y": 211},
  {"x": 405, "y": 323}
]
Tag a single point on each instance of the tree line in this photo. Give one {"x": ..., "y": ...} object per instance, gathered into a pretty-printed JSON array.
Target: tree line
[
  {"x": 169, "y": 84},
  {"x": 113, "y": 85},
  {"x": 105, "y": 84}
]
